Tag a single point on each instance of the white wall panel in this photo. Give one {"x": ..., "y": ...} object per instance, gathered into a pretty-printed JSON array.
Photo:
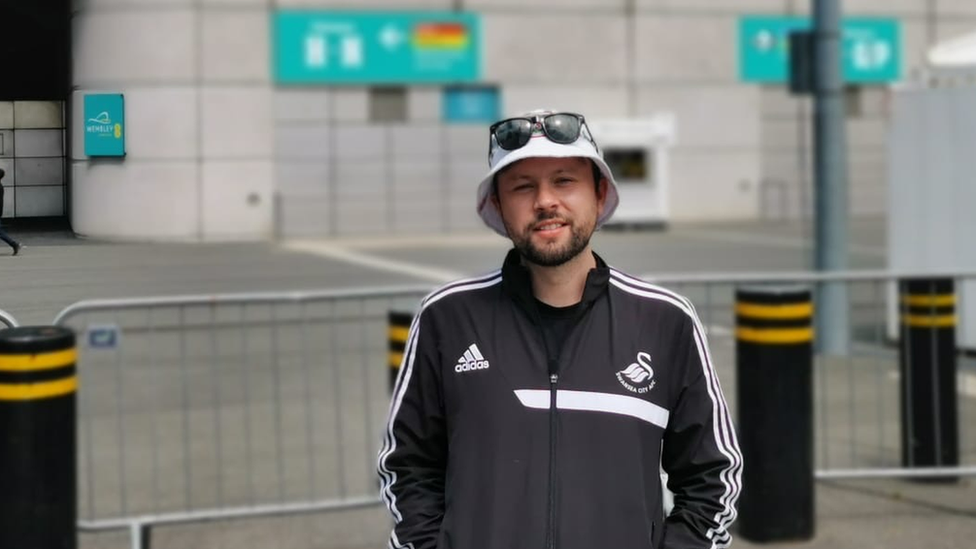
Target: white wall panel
[
  {"x": 302, "y": 142},
  {"x": 712, "y": 116},
  {"x": 236, "y": 45},
  {"x": 39, "y": 171},
  {"x": 233, "y": 3},
  {"x": 360, "y": 182},
  {"x": 147, "y": 200},
  {"x": 38, "y": 142},
  {"x": 6, "y": 143},
  {"x": 886, "y": 8},
  {"x": 301, "y": 105},
  {"x": 713, "y": 185},
  {"x": 367, "y": 4},
  {"x": 6, "y": 115},
  {"x": 237, "y": 200},
  {"x": 237, "y": 122},
  {"x": 424, "y": 103},
  {"x": 418, "y": 182},
  {"x": 129, "y": 4},
  {"x": 40, "y": 201},
  {"x": 592, "y": 101},
  {"x": 746, "y": 6},
  {"x": 557, "y": 47},
  {"x": 158, "y": 46},
  {"x": 7, "y": 164},
  {"x": 9, "y": 198},
  {"x": 686, "y": 48},
  {"x": 38, "y": 114},
  {"x": 466, "y": 141},
  {"x": 349, "y": 105},
  {"x": 298, "y": 177},
  {"x": 417, "y": 143},
  {"x": 160, "y": 123},
  {"x": 361, "y": 142}
]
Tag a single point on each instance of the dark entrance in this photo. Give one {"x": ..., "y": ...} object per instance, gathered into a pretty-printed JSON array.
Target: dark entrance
[{"x": 35, "y": 82}]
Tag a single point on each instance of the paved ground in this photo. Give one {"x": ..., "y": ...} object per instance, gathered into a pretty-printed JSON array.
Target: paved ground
[{"x": 56, "y": 270}]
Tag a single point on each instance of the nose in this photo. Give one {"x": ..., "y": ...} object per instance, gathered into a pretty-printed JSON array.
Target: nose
[{"x": 545, "y": 198}]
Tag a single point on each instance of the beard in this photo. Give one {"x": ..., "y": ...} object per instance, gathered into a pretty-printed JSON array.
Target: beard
[{"x": 552, "y": 254}]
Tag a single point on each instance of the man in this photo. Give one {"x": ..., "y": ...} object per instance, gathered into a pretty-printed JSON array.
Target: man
[
  {"x": 3, "y": 234},
  {"x": 536, "y": 405}
]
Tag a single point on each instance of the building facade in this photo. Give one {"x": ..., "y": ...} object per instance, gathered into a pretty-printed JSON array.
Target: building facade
[{"x": 217, "y": 150}]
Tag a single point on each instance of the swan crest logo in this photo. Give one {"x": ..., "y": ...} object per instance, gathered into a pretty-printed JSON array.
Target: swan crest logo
[{"x": 639, "y": 376}]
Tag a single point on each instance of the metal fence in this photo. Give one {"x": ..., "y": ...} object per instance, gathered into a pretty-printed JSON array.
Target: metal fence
[
  {"x": 7, "y": 320},
  {"x": 857, "y": 396},
  {"x": 208, "y": 407}
]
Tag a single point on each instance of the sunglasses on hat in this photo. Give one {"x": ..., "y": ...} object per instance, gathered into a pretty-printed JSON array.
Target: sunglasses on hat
[{"x": 561, "y": 127}]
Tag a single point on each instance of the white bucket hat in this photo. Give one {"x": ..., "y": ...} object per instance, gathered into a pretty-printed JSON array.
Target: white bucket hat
[{"x": 500, "y": 158}]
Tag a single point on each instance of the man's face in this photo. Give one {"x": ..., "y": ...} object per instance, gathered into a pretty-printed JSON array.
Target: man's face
[{"x": 550, "y": 207}]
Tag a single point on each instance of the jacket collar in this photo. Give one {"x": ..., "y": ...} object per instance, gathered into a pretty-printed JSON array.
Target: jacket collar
[{"x": 517, "y": 282}]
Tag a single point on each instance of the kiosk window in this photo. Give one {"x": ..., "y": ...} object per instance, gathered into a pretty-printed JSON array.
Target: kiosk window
[{"x": 629, "y": 165}]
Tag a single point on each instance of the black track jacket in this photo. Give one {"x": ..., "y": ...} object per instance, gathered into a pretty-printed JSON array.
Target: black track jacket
[{"x": 493, "y": 444}]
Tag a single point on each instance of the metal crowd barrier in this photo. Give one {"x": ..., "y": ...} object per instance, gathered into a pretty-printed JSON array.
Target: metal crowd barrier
[
  {"x": 198, "y": 408},
  {"x": 858, "y": 397},
  {"x": 6, "y": 319}
]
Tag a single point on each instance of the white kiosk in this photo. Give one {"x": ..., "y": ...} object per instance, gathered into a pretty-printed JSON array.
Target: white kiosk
[
  {"x": 930, "y": 182},
  {"x": 636, "y": 149}
]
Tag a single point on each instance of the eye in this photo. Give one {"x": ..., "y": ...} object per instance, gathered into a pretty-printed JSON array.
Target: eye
[{"x": 564, "y": 180}]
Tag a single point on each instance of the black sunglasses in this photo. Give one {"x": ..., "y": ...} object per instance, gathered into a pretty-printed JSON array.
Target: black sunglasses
[{"x": 561, "y": 127}]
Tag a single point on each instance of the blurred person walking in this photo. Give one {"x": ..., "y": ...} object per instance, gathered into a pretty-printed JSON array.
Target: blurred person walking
[
  {"x": 3, "y": 234},
  {"x": 536, "y": 405}
]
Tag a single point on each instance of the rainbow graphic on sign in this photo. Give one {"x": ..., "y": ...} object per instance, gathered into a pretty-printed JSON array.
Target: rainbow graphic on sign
[{"x": 441, "y": 36}]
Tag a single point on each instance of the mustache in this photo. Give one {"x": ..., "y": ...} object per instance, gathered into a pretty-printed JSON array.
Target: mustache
[{"x": 546, "y": 216}]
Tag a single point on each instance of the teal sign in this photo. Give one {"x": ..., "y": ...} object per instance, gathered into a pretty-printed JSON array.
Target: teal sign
[
  {"x": 462, "y": 105},
  {"x": 105, "y": 124},
  {"x": 871, "y": 48},
  {"x": 346, "y": 47}
]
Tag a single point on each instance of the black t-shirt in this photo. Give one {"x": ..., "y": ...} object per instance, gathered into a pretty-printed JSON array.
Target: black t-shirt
[{"x": 556, "y": 323}]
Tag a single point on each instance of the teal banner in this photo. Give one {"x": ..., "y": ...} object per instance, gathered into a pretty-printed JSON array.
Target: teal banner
[
  {"x": 462, "y": 105},
  {"x": 105, "y": 124},
  {"x": 871, "y": 48},
  {"x": 377, "y": 47}
]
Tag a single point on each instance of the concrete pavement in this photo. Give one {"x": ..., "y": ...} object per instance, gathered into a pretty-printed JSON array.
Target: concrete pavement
[{"x": 56, "y": 270}]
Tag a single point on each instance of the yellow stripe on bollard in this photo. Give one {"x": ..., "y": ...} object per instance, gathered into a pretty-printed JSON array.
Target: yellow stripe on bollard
[
  {"x": 399, "y": 333},
  {"x": 35, "y": 391},
  {"x": 943, "y": 300},
  {"x": 774, "y": 335},
  {"x": 755, "y": 310},
  {"x": 929, "y": 321},
  {"x": 39, "y": 361},
  {"x": 396, "y": 359}
]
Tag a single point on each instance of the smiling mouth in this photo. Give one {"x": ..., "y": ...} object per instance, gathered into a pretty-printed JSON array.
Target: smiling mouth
[{"x": 549, "y": 226}]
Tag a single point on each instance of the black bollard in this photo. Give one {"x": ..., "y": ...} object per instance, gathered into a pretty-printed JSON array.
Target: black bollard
[
  {"x": 930, "y": 423},
  {"x": 38, "y": 507},
  {"x": 774, "y": 378},
  {"x": 398, "y": 332}
]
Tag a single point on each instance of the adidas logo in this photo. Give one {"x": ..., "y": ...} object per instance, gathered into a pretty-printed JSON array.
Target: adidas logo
[{"x": 471, "y": 360}]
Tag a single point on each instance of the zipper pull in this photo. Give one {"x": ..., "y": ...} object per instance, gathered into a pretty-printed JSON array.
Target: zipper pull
[{"x": 553, "y": 378}]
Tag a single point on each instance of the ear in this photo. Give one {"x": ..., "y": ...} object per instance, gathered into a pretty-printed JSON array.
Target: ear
[
  {"x": 494, "y": 199},
  {"x": 602, "y": 189}
]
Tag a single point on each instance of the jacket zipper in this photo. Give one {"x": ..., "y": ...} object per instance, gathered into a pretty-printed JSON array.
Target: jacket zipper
[{"x": 551, "y": 530}]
